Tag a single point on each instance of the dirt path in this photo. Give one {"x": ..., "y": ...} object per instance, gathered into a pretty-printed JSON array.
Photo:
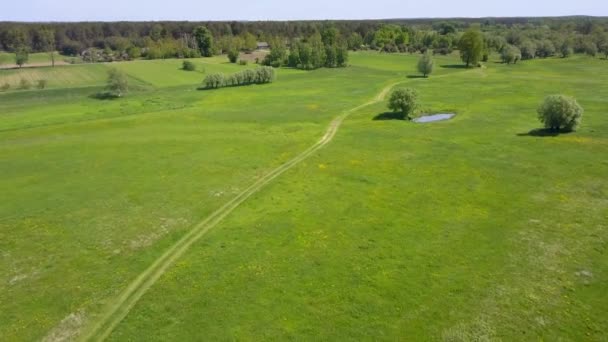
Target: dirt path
[{"x": 118, "y": 308}]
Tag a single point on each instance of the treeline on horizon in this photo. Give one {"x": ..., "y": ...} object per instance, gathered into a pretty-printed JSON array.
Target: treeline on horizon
[{"x": 323, "y": 43}]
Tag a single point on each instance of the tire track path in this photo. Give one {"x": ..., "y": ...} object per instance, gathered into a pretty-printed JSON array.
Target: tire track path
[{"x": 119, "y": 307}]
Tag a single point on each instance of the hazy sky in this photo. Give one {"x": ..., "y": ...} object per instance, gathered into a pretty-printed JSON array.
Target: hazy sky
[{"x": 77, "y": 10}]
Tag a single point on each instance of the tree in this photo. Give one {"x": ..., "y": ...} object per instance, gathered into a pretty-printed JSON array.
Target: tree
[
  {"x": 157, "y": 32},
  {"x": 403, "y": 101},
  {"x": 233, "y": 55},
  {"x": 471, "y": 47},
  {"x": 603, "y": 48},
  {"x": 425, "y": 64},
  {"x": 565, "y": 50},
  {"x": 204, "y": 39},
  {"x": 341, "y": 56},
  {"x": 330, "y": 36},
  {"x": 250, "y": 43},
  {"x": 277, "y": 55},
  {"x": 133, "y": 52},
  {"x": 21, "y": 57},
  {"x": 560, "y": 112},
  {"x": 591, "y": 49},
  {"x": 47, "y": 42},
  {"x": 545, "y": 49},
  {"x": 118, "y": 84},
  {"x": 510, "y": 54},
  {"x": 528, "y": 49},
  {"x": 355, "y": 41}
]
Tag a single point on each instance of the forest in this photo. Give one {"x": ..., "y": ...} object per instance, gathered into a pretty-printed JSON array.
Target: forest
[{"x": 111, "y": 41}]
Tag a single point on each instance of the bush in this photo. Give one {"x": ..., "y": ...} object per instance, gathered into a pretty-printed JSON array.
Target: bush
[
  {"x": 214, "y": 81},
  {"x": 243, "y": 62},
  {"x": 233, "y": 55},
  {"x": 41, "y": 84},
  {"x": 24, "y": 84},
  {"x": 560, "y": 112},
  {"x": 5, "y": 87},
  {"x": 188, "y": 66},
  {"x": 404, "y": 101}
]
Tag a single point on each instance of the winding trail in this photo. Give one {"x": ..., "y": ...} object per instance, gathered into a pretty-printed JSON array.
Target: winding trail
[{"x": 119, "y": 307}]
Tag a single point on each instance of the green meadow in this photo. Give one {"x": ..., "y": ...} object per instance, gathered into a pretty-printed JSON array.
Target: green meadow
[{"x": 476, "y": 228}]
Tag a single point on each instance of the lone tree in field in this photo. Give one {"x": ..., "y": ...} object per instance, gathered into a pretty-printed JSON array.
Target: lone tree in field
[
  {"x": 204, "y": 39},
  {"x": 425, "y": 64},
  {"x": 471, "y": 47},
  {"x": 118, "y": 84},
  {"x": 21, "y": 57},
  {"x": 560, "y": 112},
  {"x": 403, "y": 101}
]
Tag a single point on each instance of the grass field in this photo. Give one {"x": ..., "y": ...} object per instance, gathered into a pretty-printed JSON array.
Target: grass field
[
  {"x": 467, "y": 229},
  {"x": 34, "y": 58}
]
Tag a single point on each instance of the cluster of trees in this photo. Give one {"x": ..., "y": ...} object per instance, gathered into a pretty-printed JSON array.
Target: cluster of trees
[
  {"x": 296, "y": 43},
  {"x": 325, "y": 49},
  {"x": 261, "y": 75}
]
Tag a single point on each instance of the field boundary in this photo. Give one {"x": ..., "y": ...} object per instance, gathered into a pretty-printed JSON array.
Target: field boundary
[{"x": 118, "y": 308}]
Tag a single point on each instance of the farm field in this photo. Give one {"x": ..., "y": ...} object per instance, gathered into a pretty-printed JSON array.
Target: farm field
[{"x": 473, "y": 227}]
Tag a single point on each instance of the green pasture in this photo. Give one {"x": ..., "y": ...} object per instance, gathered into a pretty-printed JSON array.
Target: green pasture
[{"x": 474, "y": 228}]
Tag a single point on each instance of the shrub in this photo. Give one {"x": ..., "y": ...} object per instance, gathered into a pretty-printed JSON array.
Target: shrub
[
  {"x": 560, "y": 112},
  {"x": 214, "y": 81},
  {"x": 260, "y": 75},
  {"x": 24, "y": 84},
  {"x": 188, "y": 66},
  {"x": 233, "y": 55},
  {"x": 242, "y": 62},
  {"x": 265, "y": 75},
  {"x": 425, "y": 64},
  {"x": 41, "y": 84},
  {"x": 404, "y": 101},
  {"x": 5, "y": 87}
]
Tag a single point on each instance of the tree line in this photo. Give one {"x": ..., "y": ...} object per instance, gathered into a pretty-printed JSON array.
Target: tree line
[{"x": 296, "y": 43}]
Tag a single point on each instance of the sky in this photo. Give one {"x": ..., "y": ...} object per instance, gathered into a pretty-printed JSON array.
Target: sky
[{"x": 203, "y": 10}]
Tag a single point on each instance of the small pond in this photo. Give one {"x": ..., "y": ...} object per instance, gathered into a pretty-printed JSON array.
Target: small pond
[{"x": 434, "y": 117}]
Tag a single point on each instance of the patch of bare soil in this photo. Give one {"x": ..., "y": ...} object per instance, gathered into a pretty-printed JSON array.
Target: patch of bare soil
[{"x": 250, "y": 57}]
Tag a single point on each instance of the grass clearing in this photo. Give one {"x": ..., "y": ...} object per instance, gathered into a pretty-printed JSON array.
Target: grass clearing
[{"x": 468, "y": 227}]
